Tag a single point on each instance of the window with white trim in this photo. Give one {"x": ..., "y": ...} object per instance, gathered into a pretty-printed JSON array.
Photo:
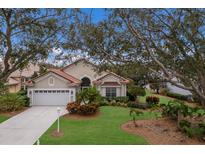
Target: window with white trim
[
  {"x": 51, "y": 81},
  {"x": 111, "y": 92}
]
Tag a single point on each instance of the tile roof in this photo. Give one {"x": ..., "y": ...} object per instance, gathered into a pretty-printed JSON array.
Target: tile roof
[
  {"x": 111, "y": 73},
  {"x": 65, "y": 75},
  {"x": 75, "y": 62}
]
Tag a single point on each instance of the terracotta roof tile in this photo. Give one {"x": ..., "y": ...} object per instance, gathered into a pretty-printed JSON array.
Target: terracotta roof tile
[
  {"x": 123, "y": 79},
  {"x": 65, "y": 75}
]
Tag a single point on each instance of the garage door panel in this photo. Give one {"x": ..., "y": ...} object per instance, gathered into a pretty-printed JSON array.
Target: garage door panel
[{"x": 52, "y": 97}]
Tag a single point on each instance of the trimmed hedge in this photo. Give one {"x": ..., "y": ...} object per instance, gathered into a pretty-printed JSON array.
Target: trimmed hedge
[
  {"x": 103, "y": 103},
  {"x": 120, "y": 99},
  {"x": 138, "y": 105},
  {"x": 177, "y": 96}
]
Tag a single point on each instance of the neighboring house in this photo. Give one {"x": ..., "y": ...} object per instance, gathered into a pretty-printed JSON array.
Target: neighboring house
[
  {"x": 59, "y": 86},
  {"x": 174, "y": 89},
  {"x": 20, "y": 78}
]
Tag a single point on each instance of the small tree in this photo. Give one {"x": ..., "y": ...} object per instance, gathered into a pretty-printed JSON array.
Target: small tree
[
  {"x": 134, "y": 113},
  {"x": 155, "y": 87},
  {"x": 89, "y": 95},
  {"x": 134, "y": 92}
]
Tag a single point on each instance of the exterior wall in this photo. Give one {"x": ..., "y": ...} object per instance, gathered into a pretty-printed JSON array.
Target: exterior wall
[
  {"x": 83, "y": 69},
  {"x": 58, "y": 82},
  {"x": 110, "y": 78},
  {"x": 121, "y": 91},
  {"x": 14, "y": 88}
]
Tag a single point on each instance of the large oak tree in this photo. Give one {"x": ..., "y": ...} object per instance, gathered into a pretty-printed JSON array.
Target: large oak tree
[
  {"x": 29, "y": 35},
  {"x": 167, "y": 42}
]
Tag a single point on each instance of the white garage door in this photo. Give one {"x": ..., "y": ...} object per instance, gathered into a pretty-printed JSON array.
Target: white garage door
[{"x": 53, "y": 97}]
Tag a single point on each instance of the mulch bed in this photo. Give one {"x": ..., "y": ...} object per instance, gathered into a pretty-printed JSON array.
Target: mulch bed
[
  {"x": 162, "y": 131},
  {"x": 13, "y": 113},
  {"x": 82, "y": 117},
  {"x": 55, "y": 133}
]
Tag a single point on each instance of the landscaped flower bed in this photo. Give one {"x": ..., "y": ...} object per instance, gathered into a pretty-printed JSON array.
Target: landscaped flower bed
[{"x": 190, "y": 120}]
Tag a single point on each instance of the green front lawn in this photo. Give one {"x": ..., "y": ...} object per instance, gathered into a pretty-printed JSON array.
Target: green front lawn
[
  {"x": 163, "y": 99},
  {"x": 3, "y": 118},
  {"x": 104, "y": 129}
]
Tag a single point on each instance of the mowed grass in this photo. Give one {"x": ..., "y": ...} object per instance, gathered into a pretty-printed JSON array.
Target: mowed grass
[
  {"x": 162, "y": 99},
  {"x": 105, "y": 129},
  {"x": 3, "y": 118}
]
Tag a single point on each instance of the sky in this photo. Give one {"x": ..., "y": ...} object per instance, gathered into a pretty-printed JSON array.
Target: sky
[{"x": 98, "y": 14}]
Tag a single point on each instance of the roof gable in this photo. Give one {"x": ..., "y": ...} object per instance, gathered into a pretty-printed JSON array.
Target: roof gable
[
  {"x": 123, "y": 80},
  {"x": 77, "y": 61},
  {"x": 61, "y": 74}
]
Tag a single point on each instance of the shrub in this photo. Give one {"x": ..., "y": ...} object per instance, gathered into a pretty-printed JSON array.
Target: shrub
[
  {"x": 177, "y": 96},
  {"x": 89, "y": 95},
  {"x": 23, "y": 93},
  {"x": 73, "y": 107},
  {"x": 11, "y": 102},
  {"x": 3, "y": 88},
  {"x": 163, "y": 91},
  {"x": 87, "y": 109},
  {"x": 194, "y": 132},
  {"x": 121, "y": 99},
  {"x": 183, "y": 124},
  {"x": 172, "y": 108},
  {"x": 138, "y": 105},
  {"x": 155, "y": 86},
  {"x": 134, "y": 91},
  {"x": 152, "y": 100},
  {"x": 103, "y": 103}
]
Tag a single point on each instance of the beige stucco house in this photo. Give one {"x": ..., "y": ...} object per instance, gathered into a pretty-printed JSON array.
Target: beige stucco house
[
  {"x": 59, "y": 86},
  {"x": 19, "y": 79}
]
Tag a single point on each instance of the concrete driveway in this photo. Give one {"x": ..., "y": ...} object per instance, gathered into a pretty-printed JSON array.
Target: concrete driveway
[{"x": 28, "y": 126}]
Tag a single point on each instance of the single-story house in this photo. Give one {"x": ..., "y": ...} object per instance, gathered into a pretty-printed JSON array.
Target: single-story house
[{"x": 59, "y": 86}]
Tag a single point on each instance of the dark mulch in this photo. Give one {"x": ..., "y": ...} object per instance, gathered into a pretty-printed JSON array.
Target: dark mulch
[
  {"x": 162, "y": 131},
  {"x": 13, "y": 113},
  {"x": 82, "y": 117}
]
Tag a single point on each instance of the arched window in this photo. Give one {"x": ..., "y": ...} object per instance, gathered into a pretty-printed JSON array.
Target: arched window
[{"x": 85, "y": 82}]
